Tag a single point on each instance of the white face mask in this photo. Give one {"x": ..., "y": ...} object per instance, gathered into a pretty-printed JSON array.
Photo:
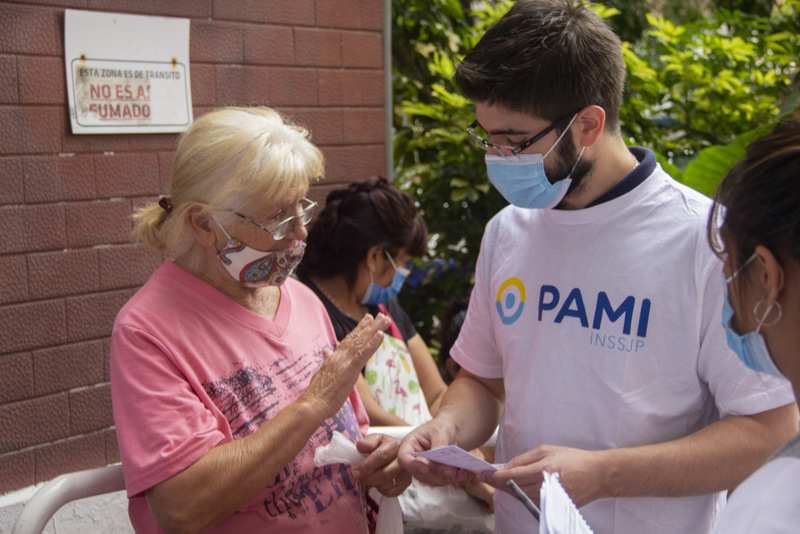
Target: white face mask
[{"x": 256, "y": 268}]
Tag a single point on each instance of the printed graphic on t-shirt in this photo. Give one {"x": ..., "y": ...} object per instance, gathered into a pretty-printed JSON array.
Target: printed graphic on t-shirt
[
  {"x": 613, "y": 322},
  {"x": 251, "y": 396}
]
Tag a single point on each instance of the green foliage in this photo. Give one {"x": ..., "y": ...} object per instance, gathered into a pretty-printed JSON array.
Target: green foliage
[
  {"x": 699, "y": 88},
  {"x": 704, "y": 83}
]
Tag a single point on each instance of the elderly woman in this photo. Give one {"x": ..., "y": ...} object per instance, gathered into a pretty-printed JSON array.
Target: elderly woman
[{"x": 225, "y": 372}]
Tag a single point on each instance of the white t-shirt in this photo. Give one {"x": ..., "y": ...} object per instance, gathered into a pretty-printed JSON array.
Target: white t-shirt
[
  {"x": 766, "y": 503},
  {"x": 605, "y": 324}
]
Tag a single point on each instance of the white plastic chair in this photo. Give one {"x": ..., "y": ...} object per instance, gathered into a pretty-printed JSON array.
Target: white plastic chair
[{"x": 64, "y": 489}]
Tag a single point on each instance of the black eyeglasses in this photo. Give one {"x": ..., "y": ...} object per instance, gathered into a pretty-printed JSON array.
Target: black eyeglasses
[{"x": 509, "y": 150}]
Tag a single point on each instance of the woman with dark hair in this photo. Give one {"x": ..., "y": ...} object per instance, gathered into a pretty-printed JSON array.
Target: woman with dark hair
[
  {"x": 758, "y": 206},
  {"x": 354, "y": 262}
]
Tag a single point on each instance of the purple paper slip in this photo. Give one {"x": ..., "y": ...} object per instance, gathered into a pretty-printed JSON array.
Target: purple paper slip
[{"x": 455, "y": 456}]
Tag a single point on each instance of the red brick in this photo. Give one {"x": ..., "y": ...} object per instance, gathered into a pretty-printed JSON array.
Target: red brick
[
  {"x": 350, "y": 87},
  {"x": 29, "y": 30},
  {"x": 17, "y": 470},
  {"x": 153, "y": 142},
  {"x": 13, "y": 280},
  {"x": 292, "y": 87},
  {"x": 325, "y": 125},
  {"x": 356, "y": 14},
  {"x": 16, "y": 377},
  {"x": 238, "y": 85},
  {"x": 107, "y": 359},
  {"x": 347, "y": 164},
  {"x": 165, "y": 160},
  {"x": 269, "y": 45},
  {"x": 59, "y": 3},
  {"x": 41, "y": 80},
  {"x": 12, "y": 188},
  {"x": 182, "y": 8},
  {"x": 32, "y": 228},
  {"x": 112, "y": 448},
  {"x": 121, "y": 175},
  {"x": 30, "y": 325},
  {"x": 67, "y": 367},
  {"x": 98, "y": 222},
  {"x": 363, "y": 126},
  {"x": 90, "y": 409},
  {"x": 92, "y": 316},
  {"x": 66, "y": 272},
  {"x": 244, "y": 10},
  {"x": 318, "y": 47},
  {"x": 121, "y": 6},
  {"x": 294, "y": 12},
  {"x": 56, "y": 178},
  {"x": 74, "y": 454},
  {"x": 126, "y": 266},
  {"x": 231, "y": 87},
  {"x": 41, "y": 129},
  {"x": 204, "y": 85},
  {"x": 212, "y": 42},
  {"x": 361, "y": 49},
  {"x": 8, "y": 80},
  {"x": 12, "y": 140},
  {"x": 34, "y": 421},
  {"x": 93, "y": 143}
]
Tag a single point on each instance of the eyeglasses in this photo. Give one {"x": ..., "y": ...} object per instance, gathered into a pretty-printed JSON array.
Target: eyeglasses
[
  {"x": 278, "y": 229},
  {"x": 513, "y": 150}
]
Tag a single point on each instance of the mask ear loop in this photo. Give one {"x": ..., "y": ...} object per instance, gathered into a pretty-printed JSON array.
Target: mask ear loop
[
  {"x": 560, "y": 137},
  {"x": 580, "y": 155}
]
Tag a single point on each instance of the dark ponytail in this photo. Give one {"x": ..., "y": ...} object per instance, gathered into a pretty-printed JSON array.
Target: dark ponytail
[
  {"x": 357, "y": 218},
  {"x": 761, "y": 197}
]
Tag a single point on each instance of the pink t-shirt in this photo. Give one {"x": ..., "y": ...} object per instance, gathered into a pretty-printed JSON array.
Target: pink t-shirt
[{"x": 191, "y": 369}]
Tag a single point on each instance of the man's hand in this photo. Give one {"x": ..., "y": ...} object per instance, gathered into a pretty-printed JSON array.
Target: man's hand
[
  {"x": 381, "y": 469},
  {"x": 438, "y": 432},
  {"x": 582, "y": 473}
]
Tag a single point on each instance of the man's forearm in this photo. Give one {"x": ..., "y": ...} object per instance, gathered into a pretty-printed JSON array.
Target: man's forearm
[
  {"x": 473, "y": 408},
  {"x": 715, "y": 458}
]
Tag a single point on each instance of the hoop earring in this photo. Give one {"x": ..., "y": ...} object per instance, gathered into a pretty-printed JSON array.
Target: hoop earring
[{"x": 763, "y": 321}]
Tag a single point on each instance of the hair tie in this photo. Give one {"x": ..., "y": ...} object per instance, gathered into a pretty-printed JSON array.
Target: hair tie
[{"x": 166, "y": 204}]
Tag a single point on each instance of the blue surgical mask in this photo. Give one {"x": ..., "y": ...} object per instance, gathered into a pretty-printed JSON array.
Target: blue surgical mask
[
  {"x": 522, "y": 179},
  {"x": 751, "y": 348},
  {"x": 377, "y": 294}
]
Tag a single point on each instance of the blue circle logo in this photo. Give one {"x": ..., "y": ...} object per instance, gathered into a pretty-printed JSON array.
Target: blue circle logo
[{"x": 510, "y": 300}]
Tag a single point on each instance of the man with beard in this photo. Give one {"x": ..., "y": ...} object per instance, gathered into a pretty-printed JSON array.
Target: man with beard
[{"x": 595, "y": 319}]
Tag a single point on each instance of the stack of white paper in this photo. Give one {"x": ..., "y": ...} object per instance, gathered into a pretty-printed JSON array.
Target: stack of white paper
[{"x": 559, "y": 513}]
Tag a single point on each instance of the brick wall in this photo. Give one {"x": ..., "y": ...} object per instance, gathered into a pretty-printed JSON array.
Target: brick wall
[{"x": 66, "y": 262}]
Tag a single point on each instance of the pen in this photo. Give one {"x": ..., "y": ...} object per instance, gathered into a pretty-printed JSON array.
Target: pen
[{"x": 523, "y": 498}]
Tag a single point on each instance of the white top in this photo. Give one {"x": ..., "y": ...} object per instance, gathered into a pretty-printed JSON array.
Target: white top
[
  {"x": 769, "y": 501},
  {"x": 766, "y": 503},
  {"x": 605, "y": 324}
]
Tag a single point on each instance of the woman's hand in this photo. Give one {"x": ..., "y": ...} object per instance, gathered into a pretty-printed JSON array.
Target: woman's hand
[
  {"x": 335, "y": 379},
  {"x": 380, "y": 469}
]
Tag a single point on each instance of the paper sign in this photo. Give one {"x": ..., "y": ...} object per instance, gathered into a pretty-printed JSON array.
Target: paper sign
[
  {"x": 127, "y": 73},
  {"x": 455, "y": 456}
]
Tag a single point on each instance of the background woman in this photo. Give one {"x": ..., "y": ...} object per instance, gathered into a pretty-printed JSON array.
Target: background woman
[
  {"x": 355, "y": 262},
  {"x": 759, "y": 241}
]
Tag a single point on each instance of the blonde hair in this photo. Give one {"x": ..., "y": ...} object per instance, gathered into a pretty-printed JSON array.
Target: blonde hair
[{"x": 229, "y": 157}]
